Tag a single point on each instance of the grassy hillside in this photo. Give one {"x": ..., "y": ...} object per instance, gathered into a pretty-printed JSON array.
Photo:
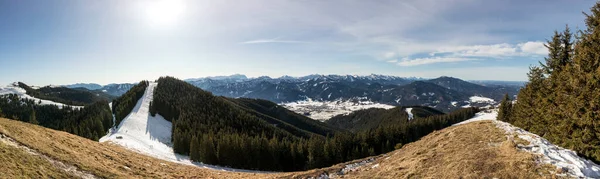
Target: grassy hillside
[
  {"x": 474, "y": 150},
  {"x": 454, "y": 152}
]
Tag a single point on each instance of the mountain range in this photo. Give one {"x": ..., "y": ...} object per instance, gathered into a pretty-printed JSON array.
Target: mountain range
[{"x": 443, "y": 93}]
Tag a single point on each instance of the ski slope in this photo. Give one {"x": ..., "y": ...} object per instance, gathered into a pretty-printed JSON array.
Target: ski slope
[
  {"x": 151, "y": 135},
  {"x": 565, "y": 159},
  {"x": 410, "y": 114},
  {"x": 12, "y": 89}
]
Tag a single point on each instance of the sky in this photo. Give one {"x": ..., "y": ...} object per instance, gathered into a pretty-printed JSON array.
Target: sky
[{"x": 115, "y": 41}]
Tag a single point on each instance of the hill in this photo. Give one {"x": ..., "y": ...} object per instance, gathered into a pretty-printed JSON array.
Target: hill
[
  {"x": 89, "y": 86},
  {"x": 477, "y": 149},
  {"x": 374, "y": 117},
  {"x": 280, "y": 116},
  {"x": 113, "y": 90},
  {"x": 495, "y": 92},
  {"x": 212, "y": 129},
  {"x": 64, "y": 95}
]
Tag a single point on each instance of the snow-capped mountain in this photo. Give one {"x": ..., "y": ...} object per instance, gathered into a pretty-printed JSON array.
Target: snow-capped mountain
[{"x": 444, "y": 93}]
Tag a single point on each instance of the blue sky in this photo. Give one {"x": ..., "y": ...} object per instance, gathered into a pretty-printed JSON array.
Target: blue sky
[{"x": 113, "y": 41}]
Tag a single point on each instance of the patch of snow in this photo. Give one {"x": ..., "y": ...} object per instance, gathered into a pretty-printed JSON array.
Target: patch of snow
[
  {"x": 481, "y": 116},
  {"x": 552, "y": 154},
  {"x": 565, "y": 159},
  {"x": 479, "y": 99},
  {"x": 151, "y": 135},
  {"x": 453, "y": 103},
  {"x": 324, "y": 110},
  {"x": 355, "y": 166},
  {"x": 410, "y": 114},
  {"x": 10, "y": 89}
]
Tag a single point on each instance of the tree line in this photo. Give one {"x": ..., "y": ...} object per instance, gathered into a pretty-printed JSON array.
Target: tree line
[
  {"x": 561, "y": 101},
  {"x": 214, "y": 130},
  {"x": 91, "y": 121}
]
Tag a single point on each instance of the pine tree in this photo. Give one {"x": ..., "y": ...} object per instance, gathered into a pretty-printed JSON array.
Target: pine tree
[
  {"x": 505, "y": 109},
  {"x": 194, "y": 149},
  {"x": 32, "y": 119},
  {"x": 555, "y": 51}
]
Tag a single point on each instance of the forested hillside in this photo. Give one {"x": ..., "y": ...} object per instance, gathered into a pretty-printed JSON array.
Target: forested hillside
[
  {"x": 91, "y": 121},
  {"x": 281, "y": 116},
  {"x": 64, "y": 95},
  {"x": 375, "y": 117},
  {"x": 561, "y": 101},
  {"x": 214, "y": 130}
]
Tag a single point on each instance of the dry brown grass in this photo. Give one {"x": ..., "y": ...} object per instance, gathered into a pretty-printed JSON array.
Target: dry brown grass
[
  {"x": 16, "y": 163},
  {"x": 477, "y": 150},
  {"x": 105, "y": 160}
]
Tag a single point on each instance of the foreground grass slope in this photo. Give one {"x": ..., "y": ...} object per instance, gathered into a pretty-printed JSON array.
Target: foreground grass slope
[{"x": 474, "y": 150}]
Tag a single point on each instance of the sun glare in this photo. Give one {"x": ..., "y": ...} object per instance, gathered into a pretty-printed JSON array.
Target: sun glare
[{"x": 163, "y": 13}]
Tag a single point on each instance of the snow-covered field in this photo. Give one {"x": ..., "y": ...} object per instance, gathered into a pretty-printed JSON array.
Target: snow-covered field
[
  {"x": 148, "y": 135},
  {"x": 12, "y": 89},
  {"x": 479, "y": 99},
  {"x": 565, "y": 159},
  {"x": 324, "y": 110}
]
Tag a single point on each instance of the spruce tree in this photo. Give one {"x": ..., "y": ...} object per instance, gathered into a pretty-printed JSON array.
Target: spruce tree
[
  {"x": 194, "y": 149},
  {"x": 505, "y": 109}
]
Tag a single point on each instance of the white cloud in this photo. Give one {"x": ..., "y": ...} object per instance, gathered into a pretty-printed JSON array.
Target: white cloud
[
  {"x": 476, "y": 52},
  {"x": 537, "y": 48},
  {"x": 494, "y": 50},
  {"x": 431, "y": 60}
]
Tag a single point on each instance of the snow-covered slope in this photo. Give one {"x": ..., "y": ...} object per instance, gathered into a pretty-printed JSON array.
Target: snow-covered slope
[
  {"x": 410, "y": 114},
  {"x": 150, "y": 135},
  {"x": 12, "y": 89},
  {"x": 565, "y": 159},
  {"x": 324, "y": 110}
]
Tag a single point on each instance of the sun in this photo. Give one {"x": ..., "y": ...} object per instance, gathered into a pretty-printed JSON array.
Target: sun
[{"x": 163, "y": 13}]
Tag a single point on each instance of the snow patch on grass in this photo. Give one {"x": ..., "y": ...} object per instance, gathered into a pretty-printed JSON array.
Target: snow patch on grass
[
  {"x": 565, "y": 159},
  {"x": 481, "y": 116},
  {"x": 562, "y": 158}
]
